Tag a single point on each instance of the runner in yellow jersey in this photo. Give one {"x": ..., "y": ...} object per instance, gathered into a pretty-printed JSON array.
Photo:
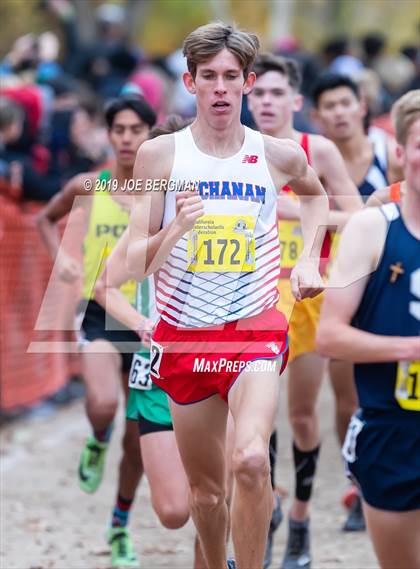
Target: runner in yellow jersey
[
  {"x": 107, "y": 345},
  {"x": 272, "y": 102}
]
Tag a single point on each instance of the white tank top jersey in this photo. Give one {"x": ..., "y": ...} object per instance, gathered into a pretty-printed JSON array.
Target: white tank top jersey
[{"x": 228, "y": 266}]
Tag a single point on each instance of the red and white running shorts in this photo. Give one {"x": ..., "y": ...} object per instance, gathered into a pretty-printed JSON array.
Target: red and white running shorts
[{"x": 192, "y": 364}]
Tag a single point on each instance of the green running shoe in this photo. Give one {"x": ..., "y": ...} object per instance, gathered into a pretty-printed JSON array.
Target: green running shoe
[
  {"x": 122, "y": 549},
  {"x": 91, "y": 465}
]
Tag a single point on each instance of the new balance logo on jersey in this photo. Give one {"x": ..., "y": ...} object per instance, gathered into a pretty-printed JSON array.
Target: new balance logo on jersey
[
  {"x": 274, "y": 348},
  {"x": 250, "y": 159}
]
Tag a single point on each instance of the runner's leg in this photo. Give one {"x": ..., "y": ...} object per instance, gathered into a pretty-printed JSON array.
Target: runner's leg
[
  {"x": 131, "y": 466},
  {"x": 395, "y": 537},
  {"x": 342, "y": 381},
  {"x": 101, "y": 372},
  {"x": 305, "y": 378},
  {"x": 167, "y": 479},
  {"x": 253, "y": 401},
  {"x": 200, "y": 431}
]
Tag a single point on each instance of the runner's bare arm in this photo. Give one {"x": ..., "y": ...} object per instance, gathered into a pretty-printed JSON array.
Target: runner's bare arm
[
  {"x": 359, "y": 251},
  {"x": 331, "y": 169},
  {"x": 57, "y": 208},
  {"x": 379, "y": 197},
  {"x": 108, "y": 295},
  {"x": 288, "y": 164},
  {"x": 313, "y": 199},
  {"x": 149, "y": 245}
]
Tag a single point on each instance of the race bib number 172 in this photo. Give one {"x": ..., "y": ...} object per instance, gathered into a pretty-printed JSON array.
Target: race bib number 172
[{"x": 222, "y": 243}]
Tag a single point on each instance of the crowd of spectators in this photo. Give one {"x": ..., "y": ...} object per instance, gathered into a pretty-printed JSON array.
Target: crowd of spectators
[{"x": 51, "y": 92}]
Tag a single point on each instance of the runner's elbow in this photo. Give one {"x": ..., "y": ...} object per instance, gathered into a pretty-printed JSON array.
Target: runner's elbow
[
  {"x": 327, "y": 341},
  {"x": 134, "y": 264},
  {"x": 99, "y": 292}
]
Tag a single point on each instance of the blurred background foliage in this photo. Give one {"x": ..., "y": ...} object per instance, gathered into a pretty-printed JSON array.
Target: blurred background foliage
[{"x": 159, "y": 26}]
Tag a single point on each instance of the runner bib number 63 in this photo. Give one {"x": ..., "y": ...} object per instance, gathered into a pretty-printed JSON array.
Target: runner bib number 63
[
  {"x": 139, "y": 377},
  {"x": 222, "y": 243}
]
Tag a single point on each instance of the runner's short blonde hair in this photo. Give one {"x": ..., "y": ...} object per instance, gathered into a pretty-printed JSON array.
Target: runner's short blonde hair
[{"x": 405, "y": 111}]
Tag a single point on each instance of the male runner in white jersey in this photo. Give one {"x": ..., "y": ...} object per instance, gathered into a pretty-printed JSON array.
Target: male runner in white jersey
[
  {"x": 272, "y": 102},
  {"x": 216, "y": 285}
]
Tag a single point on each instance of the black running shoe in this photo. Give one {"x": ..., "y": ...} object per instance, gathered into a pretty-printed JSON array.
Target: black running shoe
[
  {"x": 298, "y": 554},
  {"x": 275, "y": 522},
  {"x": 355, "y": 519}
]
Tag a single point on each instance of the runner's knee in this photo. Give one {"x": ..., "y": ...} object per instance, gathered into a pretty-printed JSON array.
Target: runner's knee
[
  {"x": 103, "y": 404},
  {"x": 303, "y": 422},
  {"x": 172, "y": 515},
  {"x": 251, "y": 465},
  {"x": 205, "y": 498}
]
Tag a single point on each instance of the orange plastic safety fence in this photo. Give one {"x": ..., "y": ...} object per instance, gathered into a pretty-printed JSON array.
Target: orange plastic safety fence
[{"x": 25, "y": 269}]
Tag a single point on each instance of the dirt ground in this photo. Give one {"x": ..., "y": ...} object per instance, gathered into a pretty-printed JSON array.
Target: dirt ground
[{"x": 47, "y": 522}]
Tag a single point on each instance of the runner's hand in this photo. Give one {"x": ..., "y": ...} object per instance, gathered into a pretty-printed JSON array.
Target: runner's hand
[
  {"x": 305, "y": 280},
  {"x": 189, "y": 207},
  {"x": 69, "y": 270},
  {"x": 145, "y": 331}
]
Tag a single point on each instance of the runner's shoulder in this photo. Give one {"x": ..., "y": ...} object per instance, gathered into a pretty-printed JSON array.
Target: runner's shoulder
[
  {"x": 320, "y": 146},
  {"x": 165, "y": 143},
  {"x": 157, "y": 154},
  {"x": 285, "y": 155},
  {"x": 369, "y": 221}
]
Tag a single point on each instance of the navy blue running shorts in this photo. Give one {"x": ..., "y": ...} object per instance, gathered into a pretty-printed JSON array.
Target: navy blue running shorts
[{"x": 382, "y": 452}]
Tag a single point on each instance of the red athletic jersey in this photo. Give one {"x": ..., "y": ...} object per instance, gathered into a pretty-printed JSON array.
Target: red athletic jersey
[{"x": 326, "y": 245}]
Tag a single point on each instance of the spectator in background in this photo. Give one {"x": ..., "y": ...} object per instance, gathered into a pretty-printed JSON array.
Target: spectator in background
[
  {"x": 378, "y": 102},
  {"x": 33, "y": 58},
  {"x": 88, "y": 142},
  {"x": 22, "y": 165},
  {"x": 106, "y": 63},
  {"x": 182, "y": 103},
  {"x": 415, "y": 82},
  {"x": 150, "y": 82},
  {"x": 412, "y": 51},
  {"x": 396, "y": 73},
  {"x": 23, "y": 57},
  {"x": 373, "y": 46},
  {"x": 308, "y": 62},
  {"x": 310, "y": 67},
  {"x": 339, "y": 58}
]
